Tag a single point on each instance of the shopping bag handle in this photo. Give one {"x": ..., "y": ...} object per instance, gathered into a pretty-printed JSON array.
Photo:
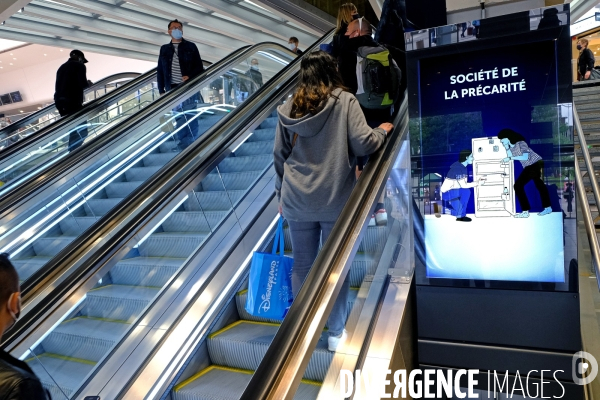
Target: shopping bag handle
[{"x": 279, "y": 238}]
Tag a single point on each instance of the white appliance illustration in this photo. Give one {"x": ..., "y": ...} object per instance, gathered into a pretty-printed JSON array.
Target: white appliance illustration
[{"x": 496, "y": 197}]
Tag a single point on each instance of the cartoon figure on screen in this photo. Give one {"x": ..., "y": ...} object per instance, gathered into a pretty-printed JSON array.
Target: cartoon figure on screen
[
  {"x": 517, "y": 149},
  {"x": 456, "y": 191}
]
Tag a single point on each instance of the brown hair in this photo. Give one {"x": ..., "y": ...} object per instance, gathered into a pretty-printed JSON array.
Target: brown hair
[
  {"x": 345, "y": 15},
  {"x": 583, "y": 41},
  {"x": 295, "y": 40},
  {"x": 318, "y": 78}
]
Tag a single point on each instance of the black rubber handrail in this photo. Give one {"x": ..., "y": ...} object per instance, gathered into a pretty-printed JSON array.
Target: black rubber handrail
[
  {"x": 294, "y": 329},
  {"x": 23, "y": 122},
  {"x": 38, "y": 182},
  {"x": 61, "y": 123},
  {"x": 198, "y": 158}
]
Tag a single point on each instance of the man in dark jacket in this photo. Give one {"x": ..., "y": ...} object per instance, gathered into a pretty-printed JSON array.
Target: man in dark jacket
[
  {"x": 179, "y": 61},
  {"x": 17, "y": 380},
  {"x": 71, "y": 81}
]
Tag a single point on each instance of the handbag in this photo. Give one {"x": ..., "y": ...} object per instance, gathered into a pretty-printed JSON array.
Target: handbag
[
  {"x": 595, "y": 74},
  {"x": 270, "y": 282}
]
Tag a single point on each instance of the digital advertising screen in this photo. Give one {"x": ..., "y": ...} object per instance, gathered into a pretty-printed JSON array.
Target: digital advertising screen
[
  {"x": 5, "y": 99},
  {"x": 16, "y": 97},
  {"x": 492, "y": 151}
]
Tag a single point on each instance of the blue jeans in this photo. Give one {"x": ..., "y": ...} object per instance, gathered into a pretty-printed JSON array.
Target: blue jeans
[
  {"x": 189, "y": 133},
  {"x": 305, "y": 244},
  {"x": 458, "y": 200}
]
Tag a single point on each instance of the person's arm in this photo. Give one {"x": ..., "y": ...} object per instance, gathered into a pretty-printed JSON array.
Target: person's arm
[
  {"x": 468, "y": 185},
  {"x": 160, "y": 76},
  {"x": 363, "y": 139},
  {"x": 524, "y": 156},
  {"x": 83, "y": 80},
  {"x": 281, "y": 151},
  {"x": 590, "y": 61},
  {"x": 199, "y": 66}
]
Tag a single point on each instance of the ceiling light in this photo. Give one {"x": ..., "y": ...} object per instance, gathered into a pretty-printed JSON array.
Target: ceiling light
[
  {"x": 14, "y": 58},
  {"x": 60, "y": 49},
  {"x": 20, "y": 110},
  {"x": 10, "y": 63},
  {"x": 39, "y": 108},
  {"x": 45, "y": 54},
  {"x": 11, "y": 54}
]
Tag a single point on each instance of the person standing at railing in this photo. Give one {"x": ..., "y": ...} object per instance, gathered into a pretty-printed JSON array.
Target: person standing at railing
[
  {"x": 179, "y": 61},
  {"x": 320, "y": 133},
  {"x": 17, "y": 379},
  {"x": 71, "y": 81}
]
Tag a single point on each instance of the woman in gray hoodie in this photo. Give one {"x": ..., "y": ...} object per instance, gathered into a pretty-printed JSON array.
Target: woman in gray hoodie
[{"x": 320, "y": 133}]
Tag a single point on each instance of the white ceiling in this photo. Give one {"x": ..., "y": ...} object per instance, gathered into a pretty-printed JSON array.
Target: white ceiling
[{"x": 137, "y": 28}]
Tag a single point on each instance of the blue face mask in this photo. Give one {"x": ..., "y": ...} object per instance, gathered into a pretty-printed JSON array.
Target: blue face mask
[{"x": 176, "y": 34}]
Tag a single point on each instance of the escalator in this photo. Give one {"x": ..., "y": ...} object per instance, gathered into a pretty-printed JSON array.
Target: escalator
[
  {"x": 45, "y": 116},
  {"x": 167, "y": 241},
  {"x": 97, "y": 184},
  {"x": 30, "y": 145},
  {"x": 78, "y": 342}
]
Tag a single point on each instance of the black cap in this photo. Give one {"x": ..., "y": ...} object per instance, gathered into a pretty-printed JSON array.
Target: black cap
[{"x": 78, "y": 53}]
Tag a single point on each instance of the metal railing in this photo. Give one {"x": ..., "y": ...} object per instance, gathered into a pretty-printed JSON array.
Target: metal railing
[{"x": 587, "y": 214}]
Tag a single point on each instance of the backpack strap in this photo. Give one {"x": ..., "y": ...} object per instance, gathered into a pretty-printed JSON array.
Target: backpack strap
[{"x": 294, "y": 140}]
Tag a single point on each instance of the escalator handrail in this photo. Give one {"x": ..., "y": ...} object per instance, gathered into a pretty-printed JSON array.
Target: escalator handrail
[
  {"x": 288, "y": 354},
  {"x": 60, "y": 123},
  {"x": 45, "y": 110},
  {"x": 37, "y": 182},
  {"x": 218, "y": 139},
  {"x": 111, "y": 78}
]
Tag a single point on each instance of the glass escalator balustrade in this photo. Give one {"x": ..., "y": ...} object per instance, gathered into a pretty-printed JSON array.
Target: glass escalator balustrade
[
  {"x": 70, "y": 351},
  {"x": 34, "y": 237},
  {"x": 25, "y": 164}
]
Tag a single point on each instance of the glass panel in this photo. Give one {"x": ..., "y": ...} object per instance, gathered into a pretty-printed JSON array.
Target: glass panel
[
  {"x": 99, "y": 187},
  {"x": 17, "y": 168},
  {"x": 70, "y": 352}
]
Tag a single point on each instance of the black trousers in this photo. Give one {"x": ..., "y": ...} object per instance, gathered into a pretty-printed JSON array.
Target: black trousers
[
  {"x": 78, "y": 134},
  {"x": 532, "y": 173}
]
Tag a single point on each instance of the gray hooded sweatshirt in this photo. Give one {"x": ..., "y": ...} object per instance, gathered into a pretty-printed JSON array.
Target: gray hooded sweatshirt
[{"x": 316, "y": 176}]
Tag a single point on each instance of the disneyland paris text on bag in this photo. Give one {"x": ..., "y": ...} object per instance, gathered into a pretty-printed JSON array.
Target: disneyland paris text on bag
[{"x": 270, "y": 283}]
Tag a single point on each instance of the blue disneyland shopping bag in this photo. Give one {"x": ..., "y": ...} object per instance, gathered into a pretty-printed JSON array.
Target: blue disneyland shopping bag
[{"x": 270, "y": 282}]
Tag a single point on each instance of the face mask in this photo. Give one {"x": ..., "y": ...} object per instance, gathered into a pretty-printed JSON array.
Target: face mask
[
  {"x": 176, "y": 34},
  {"x": 355, "y": 16},
  {"x": 254, "y": 67},
  {"x": 291, "y": 46},
  {"x": 579, "y": 47},
  {"x": 14, "y": 316}
]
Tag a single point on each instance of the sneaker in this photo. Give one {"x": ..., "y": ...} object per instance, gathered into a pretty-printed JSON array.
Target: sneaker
[
  {"x": 372, "y": 221},
  {"x": 334, "y": 341},
  {"x": 381, "y": 217},
  {"x": 464, "y": 219}
]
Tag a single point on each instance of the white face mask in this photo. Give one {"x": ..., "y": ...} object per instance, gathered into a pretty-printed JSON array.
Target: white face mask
[
  {"x": 292, "y": 46},
  {"x": 15, "y": 316}
]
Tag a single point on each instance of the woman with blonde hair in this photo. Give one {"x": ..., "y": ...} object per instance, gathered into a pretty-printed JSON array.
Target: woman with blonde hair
[{"x": 346, "y": 14}]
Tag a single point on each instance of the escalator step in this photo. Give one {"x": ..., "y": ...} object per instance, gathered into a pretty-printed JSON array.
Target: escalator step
[
  {"x": 121, "y": 189},
  {"x": 245, "y": 163},
  {"x": 99, "y": 207},
  {"x": 29, "y": 265},
  {"x": 84, "y": 338},
  {"x": 118, "y": 302},
  {"x": 243, "y": 344},
  {"x": 232, "y": 181},
  {"x": 158, "y": 159},
  {"x": 255, "y": 148},
  {"x": 141, "y": 173},
  {"x": 217, "y": 200},
  {"x": 171, "y": 244},
  {"x": 60, "y": 375},
  {"x": 220, "y": 383},
  {"x": 145, "y": 271},
  {"x": 262, "y": 134},
  {"x": 49, "y": 246},
  {"x": 74, "y": 226},
  {"x": 193, "y": 221}
]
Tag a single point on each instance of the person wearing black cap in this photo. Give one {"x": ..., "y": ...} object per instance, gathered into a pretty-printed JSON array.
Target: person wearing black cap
[
  {"x": 71, "y": 80},
  {"x": 17, "y": 379}
]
